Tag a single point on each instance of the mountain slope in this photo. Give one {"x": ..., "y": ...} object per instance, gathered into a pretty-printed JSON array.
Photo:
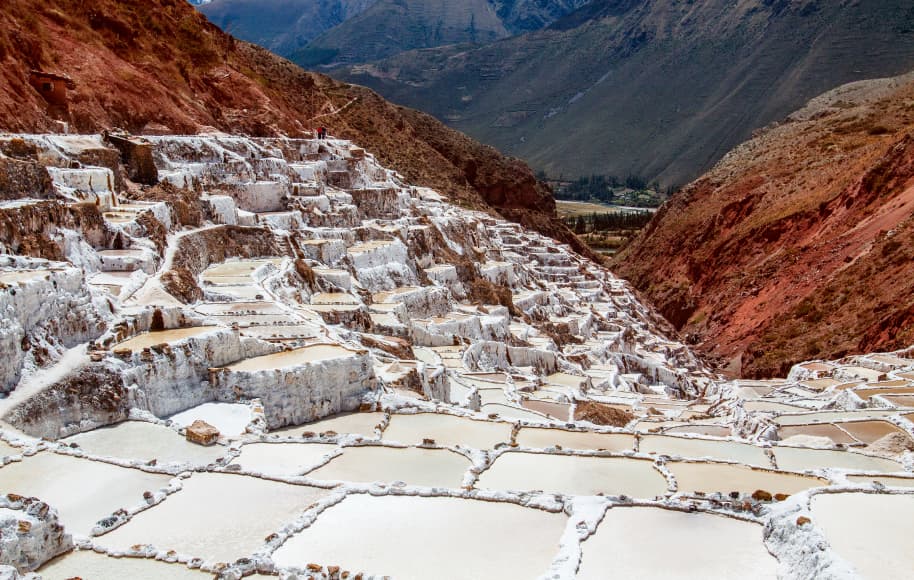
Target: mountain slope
[
  {"x": 659, "y": 88},
  {"x": 144, "y": 65},
  {"x": 282, "y": 26},
  {"x": 799, "y": 243},
  {"x": 389, "y": 27},
  {"x": 526, "y": 15}
]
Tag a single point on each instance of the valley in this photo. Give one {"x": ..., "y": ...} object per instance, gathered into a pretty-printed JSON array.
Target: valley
[
  {"x": 281, "y": 352},
  {"x": 258, "y": 322}
]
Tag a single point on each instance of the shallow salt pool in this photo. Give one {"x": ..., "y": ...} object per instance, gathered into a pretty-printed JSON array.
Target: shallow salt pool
[
  {"x": 574, "y": 475},
  {"x": 144, "y": 441},
  {"x": 231, "y": 419},
  {"x": 426, "y": 467},
  {"x": 22, "y": 276},
  {"x": 349, "y": 423},
  {"x": 558, "y": 411},
  {"x": 711, "y": 477},
  {"x": 291, "y": 358},
  {"x": 511, "y": 412},
  {"x": 217, "y": 517},
  {"x": 282, "y": 459},
  {"x": 91, "y": 566},
  {"x": 446, "y": 430},
  {"x": 237, "y": 268},
  {"x": 871, "y": 431},
  {"x": 542, "y": 438},
  {"x": 644, "y": 543},
  {"x": 707, "y": 430},
  {"x": 698, "y": 448},
  {"x": 798, "y": 459},
  {"x": 422, "y": 538},
  {"x": 824, "y": 417},
  {"x": 886, "y": 480},
  {"x": 7, "y": 449},
  {"x": 827, "y": 430},
  {"x": 82, "y": 491},
  {"x": 236, "y": 308},
  {"x": 871, "y": 532},
  {"x": 149, "y": 339}
]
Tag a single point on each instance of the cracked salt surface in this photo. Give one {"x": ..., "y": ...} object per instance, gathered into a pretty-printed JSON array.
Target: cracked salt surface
[{"x": 375, "y": 415}]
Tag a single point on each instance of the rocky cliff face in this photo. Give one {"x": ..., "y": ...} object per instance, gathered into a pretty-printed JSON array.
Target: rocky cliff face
[
  {"x": 162, "y": 67},
  {"x": 799, "y": 243}
]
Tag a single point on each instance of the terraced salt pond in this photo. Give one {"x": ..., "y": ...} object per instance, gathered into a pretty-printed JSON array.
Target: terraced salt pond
[
  {"x": 291, "y": 358},
  {"x": 22, "y": 276},
  {"x": 91, "y": 566},
  {"x": 71, "y": 486},
  {"x": 354, "y": 423},
  {"x": 425, "y": 467},
  {"x": 629, "y": 542},
  {"x": 871, "y": 532},
  {"x": 724, "y": 478},
  {"x": 231, "y": 419},
  {"x": 884, "y": 480},
  {"x": 236, "y": 308},
  {"x": 799, "y": 459},
  {"x": 446, "y": 430},
  {"x": 510, "y": 412},
  {"x": 150, "y": 339},
  {"x": 825, "y": 417},
  {"x": 871, "y": 431},
  {"x": 282, "y": 459},
  {"x": 7, "y": 449},
  {"x": 236, "y": 269},
  {"x": 574, "y": 475},
  {"x": 144, "y": 441},
  {"x": 699, "y": 448},
  {"x": 543, "y": 438},
  {"x": 421, "y": 538},
  {"x": 826, "y": 430},
  {"x": 216, "y": 517}
]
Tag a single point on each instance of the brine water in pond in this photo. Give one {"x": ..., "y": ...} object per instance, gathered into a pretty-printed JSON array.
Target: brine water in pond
[
  {"x": 699, "y": 448},
  {"x": 71, "y": 485},
  {"x": 871, "y": 532},
  {"x": 145, "y": 441},
  {"x": 416, "y": 538},
  {"x": 426, "y": 467},
  {"x": 446, "y": 430},
  {"x": 216, "y": 517},
  {"x": 724, "y": 478},
  {"x": 574, "y": 475},
  {"x": 231, "y": 419},
  {"x": 543, "y": 438},
  {"x": 353, "y": 423},
  {"x": 797, "y": 459},
  {"x": 653, "y": 543},
  {"x": 282, "y": 459},
  {"x": 91, "y": 566}
]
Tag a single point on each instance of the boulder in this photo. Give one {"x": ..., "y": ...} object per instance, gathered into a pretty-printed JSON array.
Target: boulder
[{"x": 202, "y": 433}]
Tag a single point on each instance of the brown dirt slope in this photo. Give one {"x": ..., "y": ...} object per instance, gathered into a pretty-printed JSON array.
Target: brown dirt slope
[
  {"x": 145, "y": 64},
  {"x": 799, "y": 244}
]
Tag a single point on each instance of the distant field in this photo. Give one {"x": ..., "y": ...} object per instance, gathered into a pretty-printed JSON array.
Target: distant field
[{"x": 576, "y": 208}]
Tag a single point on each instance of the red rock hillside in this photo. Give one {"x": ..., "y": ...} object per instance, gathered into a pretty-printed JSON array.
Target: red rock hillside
[
  {"x": 158, "y": 65},
  {"x": 799, "y": 244}
]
